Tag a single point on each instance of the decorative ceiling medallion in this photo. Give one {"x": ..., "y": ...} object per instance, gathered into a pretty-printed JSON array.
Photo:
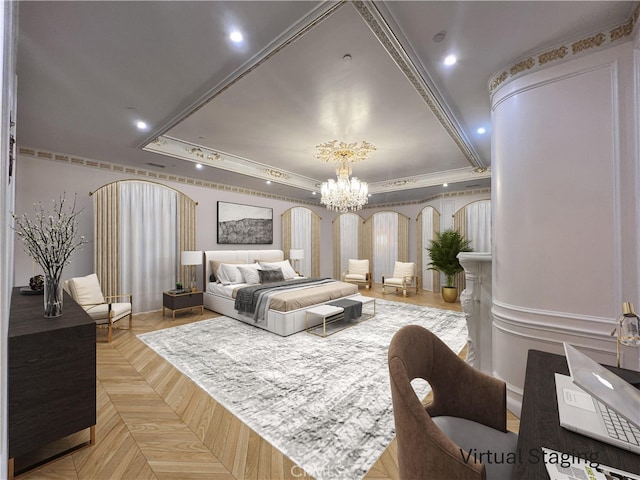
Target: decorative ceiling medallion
[{"x": 566, "y": 50}]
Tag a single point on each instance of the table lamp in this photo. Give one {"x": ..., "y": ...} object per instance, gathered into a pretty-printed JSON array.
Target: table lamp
[
  {"x": 191, "y": 258},
  {"x": 628, "y": 329},
  {"x": 296, "y": 255}
]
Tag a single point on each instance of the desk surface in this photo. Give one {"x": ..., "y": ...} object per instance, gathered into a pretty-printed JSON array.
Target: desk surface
[{"x": 540, "y": 426}]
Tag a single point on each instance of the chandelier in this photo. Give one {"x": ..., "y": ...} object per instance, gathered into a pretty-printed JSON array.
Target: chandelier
[{"x": 344, "y": 193}]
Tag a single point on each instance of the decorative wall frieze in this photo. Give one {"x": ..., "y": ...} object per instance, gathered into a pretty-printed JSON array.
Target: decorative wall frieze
[
  {"x": 565, "y": 51},
  {"x": 141, "y": 172}
]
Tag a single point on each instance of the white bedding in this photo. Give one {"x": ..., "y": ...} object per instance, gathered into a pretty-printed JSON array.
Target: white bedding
[{"x": 219, "y": 298}]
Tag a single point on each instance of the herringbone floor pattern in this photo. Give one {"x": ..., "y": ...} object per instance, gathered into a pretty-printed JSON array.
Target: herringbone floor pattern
[{"x": 155, "y": 423}]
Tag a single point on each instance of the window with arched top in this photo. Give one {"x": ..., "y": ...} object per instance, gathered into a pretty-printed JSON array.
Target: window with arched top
[
  {"x": 348, "y": 242},
  {"x": 140, "y": 228},
  {"x": 387, "y": 238}
]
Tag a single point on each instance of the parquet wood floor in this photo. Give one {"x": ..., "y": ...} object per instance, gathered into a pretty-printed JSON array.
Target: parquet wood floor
[{"x": 155, "y": 423}]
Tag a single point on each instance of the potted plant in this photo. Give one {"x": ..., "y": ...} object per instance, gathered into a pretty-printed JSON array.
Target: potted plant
[{"x": 444, "y": 250}]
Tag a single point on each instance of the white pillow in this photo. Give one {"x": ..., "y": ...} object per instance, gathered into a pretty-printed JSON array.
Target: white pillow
[
  {"x": 403, "y": 269},
  {"x": 287, "y": 270},
  {"x": 229, "y": 274},
  {"x": 358, "y": 267},
  {"x": 86, "y": 290},
  {"x": 250, "y": 273}
]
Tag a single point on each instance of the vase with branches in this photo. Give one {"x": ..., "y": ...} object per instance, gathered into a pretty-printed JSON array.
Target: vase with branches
[
  {"x": 50, "y": 239},
  {"x": 444, "y": 250}
]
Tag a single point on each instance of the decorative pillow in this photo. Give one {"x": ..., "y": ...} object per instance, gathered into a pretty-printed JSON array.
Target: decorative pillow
[
  {"x": 271, "y": 275},
  {"x": 229, "y": 274},
  {"x": 403, "y": 269},
  {"x": 86, "y": 290},
  {"x": 250, "y": 273},
  {"x": 358, "y": 267},
  {"x": 287, "y": 270},
  {"x": 215, "y": 266}
]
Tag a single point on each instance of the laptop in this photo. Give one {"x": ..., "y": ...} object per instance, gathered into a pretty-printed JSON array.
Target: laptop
[{"x": 596, "y": 403}]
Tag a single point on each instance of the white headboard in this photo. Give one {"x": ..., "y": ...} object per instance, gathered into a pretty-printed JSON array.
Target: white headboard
[{"x": 246, "y": 256}]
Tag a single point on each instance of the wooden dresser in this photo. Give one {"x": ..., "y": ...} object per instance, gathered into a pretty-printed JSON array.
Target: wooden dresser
[{"x": 51, "y": 375}]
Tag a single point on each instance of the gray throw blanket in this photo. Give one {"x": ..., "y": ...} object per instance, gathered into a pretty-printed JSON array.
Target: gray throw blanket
[
  {"x": 352, "y": 309},
  {"x": 249, "y": 298}
]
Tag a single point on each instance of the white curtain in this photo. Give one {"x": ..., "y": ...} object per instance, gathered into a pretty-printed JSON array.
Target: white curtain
[
  {"x": 148, "y": 242},
  {"x": 478, "y": 223},
  {"x": 385, "y": 244},
  {"x": 427, "y": 236},
  {"x": 301, "y": 236},
  {"x": 349, "y": 241}
]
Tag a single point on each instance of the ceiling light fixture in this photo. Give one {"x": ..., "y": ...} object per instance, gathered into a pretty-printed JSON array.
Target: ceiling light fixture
[
  {"x": 344, "y": 194},
  {"x": 140, "y": 125},
  {"x": 450, "y": 60},
  {"x": 481, "y": 130},
  {"x": 199, "y": 166},
  {"x": 236, "y": 37}
]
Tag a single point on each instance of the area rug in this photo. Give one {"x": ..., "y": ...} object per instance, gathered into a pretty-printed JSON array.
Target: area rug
[{"x": 323, "y": 402}]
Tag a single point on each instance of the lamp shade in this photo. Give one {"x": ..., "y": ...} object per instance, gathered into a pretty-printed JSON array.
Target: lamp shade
[
  {"x": 296, "y": 254},
  {"x": 191, "y": 257}
]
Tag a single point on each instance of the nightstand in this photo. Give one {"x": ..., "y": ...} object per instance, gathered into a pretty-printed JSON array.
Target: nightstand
[{"x": 182, "y": 301}]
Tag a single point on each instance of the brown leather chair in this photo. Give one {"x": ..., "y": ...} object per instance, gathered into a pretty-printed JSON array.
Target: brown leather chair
[{"x": 468, "y": 412}]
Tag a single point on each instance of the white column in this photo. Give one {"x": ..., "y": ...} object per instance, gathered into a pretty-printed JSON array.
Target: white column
[{"x": 476, "y": 300}]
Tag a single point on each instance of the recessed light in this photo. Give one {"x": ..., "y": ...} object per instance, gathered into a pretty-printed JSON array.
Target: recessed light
[
  {"x": 313, "y": 193},
  {"x": 140, "y": 125},
  {"x": 445, "y": 184},
  {"x": 268, "y": 182},
  {"x": 199, "y": 166},
  {"x": 450, "y": 60},
  {"x": 440, "y": 36},
  {"x": 481, "y": 130},
  {"x": 236, "y": 37}
]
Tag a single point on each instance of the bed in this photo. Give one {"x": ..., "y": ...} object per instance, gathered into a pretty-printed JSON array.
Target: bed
[{"x": 286, "y": 313}]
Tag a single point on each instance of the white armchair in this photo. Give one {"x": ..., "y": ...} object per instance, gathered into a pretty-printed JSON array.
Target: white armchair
[
  {"x": 403, "y": 277},
  {"x": 358, "y": 272},
  {"x": 104, "y": 310}
]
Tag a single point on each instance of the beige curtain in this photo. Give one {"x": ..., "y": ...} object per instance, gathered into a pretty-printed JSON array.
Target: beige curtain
[
  {"x": 106, "y": 252},
  {"x": 460, "y": 224},
  {"x": 367, "y": 242},
  {"x": 403, "y": 238},
  {"x": 336, "y": 249},
  {"x": 106, "y": 237},
  {"x": 419, "y": 256},
  {"x": 186, "y": 234}
]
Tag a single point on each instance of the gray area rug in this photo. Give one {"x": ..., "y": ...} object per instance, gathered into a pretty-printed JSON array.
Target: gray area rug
[{"x": 323, "y": 402}]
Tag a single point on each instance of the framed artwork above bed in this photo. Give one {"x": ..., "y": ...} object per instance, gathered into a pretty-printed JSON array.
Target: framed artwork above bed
[{"x": 244, "y": 224}]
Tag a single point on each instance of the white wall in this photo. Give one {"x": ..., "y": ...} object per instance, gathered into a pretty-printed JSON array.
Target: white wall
[
  {"x": 44, "y": 180},
  {"x": 565, "y": 171}
]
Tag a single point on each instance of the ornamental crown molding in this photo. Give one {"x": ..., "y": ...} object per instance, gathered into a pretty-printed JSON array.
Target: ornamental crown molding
[{"x": 565, "y": 51}]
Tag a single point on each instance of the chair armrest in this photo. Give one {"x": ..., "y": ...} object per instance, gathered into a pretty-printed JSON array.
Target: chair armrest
[
  {"x": 474, "y": 395},
  {"x": 120, "y": 295}
]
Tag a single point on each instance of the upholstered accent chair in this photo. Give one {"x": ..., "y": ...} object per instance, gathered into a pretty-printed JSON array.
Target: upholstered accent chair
[
  {"x": 87, "y": 293},
  {"x": 468, "y": 412},
  {"x": 358, "y": 272},
  {"x": 403, "y": 278}
]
